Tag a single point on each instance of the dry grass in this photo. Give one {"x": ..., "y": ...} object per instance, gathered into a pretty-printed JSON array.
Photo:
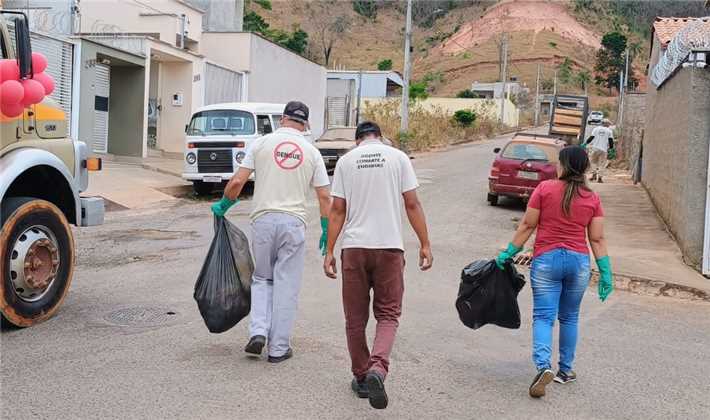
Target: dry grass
[{"x": 428, "y": 129}]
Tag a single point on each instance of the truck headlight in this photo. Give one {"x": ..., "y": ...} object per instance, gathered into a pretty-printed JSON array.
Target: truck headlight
[
  {"x": 190, "y": 158},
  {"x": 239, "y": 157}
]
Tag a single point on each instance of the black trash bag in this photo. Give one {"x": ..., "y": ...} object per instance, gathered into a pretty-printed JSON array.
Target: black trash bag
[
  {"x": 489, "y": 295},
  {"x": 223, "y": 288}
]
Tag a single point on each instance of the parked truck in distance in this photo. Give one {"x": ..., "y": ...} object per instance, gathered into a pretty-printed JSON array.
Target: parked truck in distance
[
  {"x": 568, "y": 120},
  {"x": 42, "y": 173}
]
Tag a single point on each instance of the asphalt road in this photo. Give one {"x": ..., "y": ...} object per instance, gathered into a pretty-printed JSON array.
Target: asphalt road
[{"x": 113, "y": 352}]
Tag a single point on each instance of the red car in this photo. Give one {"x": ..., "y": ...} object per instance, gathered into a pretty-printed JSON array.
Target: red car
[{"x": 521, "y": 165}]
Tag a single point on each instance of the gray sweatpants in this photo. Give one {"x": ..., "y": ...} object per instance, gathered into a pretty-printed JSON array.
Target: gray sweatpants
[{"x": 279, "y": 250}]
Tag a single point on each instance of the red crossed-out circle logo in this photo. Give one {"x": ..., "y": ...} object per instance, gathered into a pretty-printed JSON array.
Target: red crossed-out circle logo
[{"x": 288, "y": 155}]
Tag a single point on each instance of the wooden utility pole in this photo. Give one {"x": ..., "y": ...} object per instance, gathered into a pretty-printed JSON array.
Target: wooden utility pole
[
  {"x": 537, "y": 97},
  {"x": 404, "y": 125}
]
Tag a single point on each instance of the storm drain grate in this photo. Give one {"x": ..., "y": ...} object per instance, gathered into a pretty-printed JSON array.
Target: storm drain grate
[{"x": 141, "y": 316}]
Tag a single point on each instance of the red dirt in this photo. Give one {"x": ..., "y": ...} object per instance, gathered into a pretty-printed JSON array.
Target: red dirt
[{"x": 515, "y": 16}]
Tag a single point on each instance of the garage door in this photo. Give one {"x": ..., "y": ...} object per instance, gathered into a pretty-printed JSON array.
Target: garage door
[{"x": 222, "y": 85}]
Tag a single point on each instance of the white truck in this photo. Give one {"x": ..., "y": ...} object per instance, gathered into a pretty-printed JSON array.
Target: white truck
[
  {"x": 217, "y": 137},
  {"x": 42, "y": 173}
]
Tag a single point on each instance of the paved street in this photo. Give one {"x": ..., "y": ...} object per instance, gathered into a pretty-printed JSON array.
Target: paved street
[{"x": 114, "y": 352}]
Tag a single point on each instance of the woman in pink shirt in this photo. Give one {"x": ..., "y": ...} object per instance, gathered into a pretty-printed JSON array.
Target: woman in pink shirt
[{"x": 565, "y": 213}]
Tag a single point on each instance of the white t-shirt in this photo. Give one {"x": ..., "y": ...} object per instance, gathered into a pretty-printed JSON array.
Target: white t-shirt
[
  {"x": 285, "y": 166},
  {"x": 372, "y": 178},
  {"x": 601, "y": 138}
]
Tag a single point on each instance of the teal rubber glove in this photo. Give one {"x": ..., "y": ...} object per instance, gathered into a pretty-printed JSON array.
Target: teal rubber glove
[
  {"x": 220, "y": 208},
  {"x": 606, "y": 282},
  {"x": 324, "y": 235},
  {"x": 509, "y": 253}
]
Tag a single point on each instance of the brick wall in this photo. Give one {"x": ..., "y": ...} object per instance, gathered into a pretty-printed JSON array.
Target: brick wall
[{"x": 675, "y": 156}]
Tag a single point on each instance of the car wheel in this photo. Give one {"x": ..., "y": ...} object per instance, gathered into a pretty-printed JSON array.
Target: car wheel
[
  {"x": 493, "y": 199},
  {"x": 202, "y": 188},
  {"x": 36, "y": 260}
]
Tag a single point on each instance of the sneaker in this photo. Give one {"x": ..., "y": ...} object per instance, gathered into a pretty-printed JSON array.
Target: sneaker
[
  {"x": 542, "y": 379},
  {"x": 255, "y": 345},
  {"x": 283, "y": 358},
  {"x": 565, "y": 377},
  {"x": 360, "y": 388},
  {"x": 376, "y": 390},
  {"x": 599, "y": 180}
]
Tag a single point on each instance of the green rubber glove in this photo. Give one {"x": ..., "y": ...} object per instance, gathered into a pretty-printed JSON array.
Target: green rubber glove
[
  {"x": 324, "y": 235},
  {"x": 606, "y": 282},
  {"x": 220, "y": 208},
  {"x": 509, "y": 253}
]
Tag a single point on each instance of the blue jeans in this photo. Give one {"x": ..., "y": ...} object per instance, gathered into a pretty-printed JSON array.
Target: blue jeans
[{"x": 559, "y": 279}]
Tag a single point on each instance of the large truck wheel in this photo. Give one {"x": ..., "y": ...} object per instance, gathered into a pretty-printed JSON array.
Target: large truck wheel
[{"x": 36, "y": 260}]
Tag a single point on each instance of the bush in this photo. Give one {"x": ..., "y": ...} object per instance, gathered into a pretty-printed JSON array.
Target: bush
[
  {"x": 467, "y": 93},
  {"x": 418, "y": 90},
  {"x": 385, "y": 64},
  {"x": 428, "y": 128},
  {"x": 465, "y": 117},
  {"x": 366, "y": 8}
]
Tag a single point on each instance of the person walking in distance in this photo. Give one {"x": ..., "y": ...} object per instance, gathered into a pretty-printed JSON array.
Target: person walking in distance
[
  {"x": 565, "y": 212},
  {"x": 371, "y": 185},
  {"x": 286, "y": 166},
  {"x": 598, "y": 144}
]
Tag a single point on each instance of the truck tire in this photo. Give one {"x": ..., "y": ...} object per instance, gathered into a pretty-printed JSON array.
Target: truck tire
[
  {"x": 493, "y": 199},
  {"x": 202, "y": 188},
  {"x": 36, "y": 260}
]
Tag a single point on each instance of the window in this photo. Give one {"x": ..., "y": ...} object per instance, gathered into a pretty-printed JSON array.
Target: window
[
  {"x": 263, "y": 124},
  {"x": 276, "y": 118},
  {"x": 527, "y": 151},
  {"x": 221, "y": 122}
]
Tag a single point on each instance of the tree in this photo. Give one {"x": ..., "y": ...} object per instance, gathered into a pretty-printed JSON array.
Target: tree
[
  {"x": 330, "y": 23},
  {"x": 385, "y": 64},
  {"x": 583, "y": 77},
  {"x": 610, "y": 60},
  {"x": 253, "y": 22}
]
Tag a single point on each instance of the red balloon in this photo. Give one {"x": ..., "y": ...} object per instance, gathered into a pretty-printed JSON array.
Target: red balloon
[
  {"x": 46, "y": 81},
  {"x": 34, "y": 92},
  {"x": 9, "y": 70},
  {"x": 39, "y": 62},
  {"x": 11, "y": 92},
  {"x": 12, "y": 110}
]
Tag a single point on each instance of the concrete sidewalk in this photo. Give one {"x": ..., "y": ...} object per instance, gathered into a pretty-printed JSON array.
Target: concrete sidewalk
[
  {"x": 645, "y": 258},
  {"x": 164, "y": 165}
]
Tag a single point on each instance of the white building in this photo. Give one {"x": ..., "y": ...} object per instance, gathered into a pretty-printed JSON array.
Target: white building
[{"x": 347, "y": 88}]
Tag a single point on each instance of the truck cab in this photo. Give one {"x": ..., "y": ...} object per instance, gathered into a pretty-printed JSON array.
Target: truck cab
[
  {"x": 217, "y": 138},
  {"x": 42, "y": 175}
]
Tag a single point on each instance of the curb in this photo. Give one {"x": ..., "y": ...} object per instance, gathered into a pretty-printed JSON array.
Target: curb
[
  {"x": 648, "y": 287},
  {"x": 160, "y": 170}
]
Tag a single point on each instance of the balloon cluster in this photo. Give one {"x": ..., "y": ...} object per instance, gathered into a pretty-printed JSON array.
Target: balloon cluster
[{"x": 17, "y": 94}]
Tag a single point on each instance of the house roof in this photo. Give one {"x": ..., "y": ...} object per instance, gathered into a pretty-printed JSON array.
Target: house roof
[
  {"x": 666, "y": 28},
  {"x": 391, "y": 75}
]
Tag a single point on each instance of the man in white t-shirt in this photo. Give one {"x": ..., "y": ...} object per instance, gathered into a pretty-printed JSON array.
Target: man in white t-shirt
[
  {"x": 598, "y": 144},
  {"x": 286, "y": 167},
  {"x": 373, "y": 184}
]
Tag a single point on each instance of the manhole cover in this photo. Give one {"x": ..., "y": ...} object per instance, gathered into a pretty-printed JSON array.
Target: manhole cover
[{"x": 141, "y": 316}]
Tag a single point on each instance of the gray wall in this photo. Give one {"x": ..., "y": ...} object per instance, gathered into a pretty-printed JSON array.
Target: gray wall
[
  {"x": 125, "y": 124},
  {"x": 221, "y": 15},
  {"x": 634, "y": 123},
  {"x": 675, "y": 157}
]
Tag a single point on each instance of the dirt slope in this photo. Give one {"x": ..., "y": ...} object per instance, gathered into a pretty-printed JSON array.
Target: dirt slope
[{"x": 539, "y": 32}]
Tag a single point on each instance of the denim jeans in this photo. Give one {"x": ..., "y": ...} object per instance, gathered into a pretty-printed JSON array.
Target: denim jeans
[{"x": 559, "y": 279}]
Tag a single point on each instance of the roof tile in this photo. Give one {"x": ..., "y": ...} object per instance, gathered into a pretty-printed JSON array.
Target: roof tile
[{"x": 667, "y": 27}]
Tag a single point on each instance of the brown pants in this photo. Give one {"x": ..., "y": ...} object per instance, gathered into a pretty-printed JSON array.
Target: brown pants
[{"x": 383, "y": 271}]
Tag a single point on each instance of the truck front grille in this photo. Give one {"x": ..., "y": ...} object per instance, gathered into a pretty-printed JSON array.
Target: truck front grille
[{"x": 214, "y": 161}]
